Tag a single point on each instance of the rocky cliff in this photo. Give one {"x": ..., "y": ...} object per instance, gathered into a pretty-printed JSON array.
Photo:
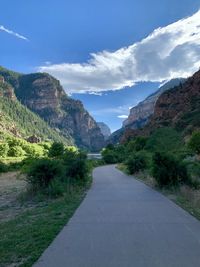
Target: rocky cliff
[
  {"x": 44, "y": 95},
  {"x": 105, "y": 130},
  {"x": 178, "y": 108},
  {"x": 140, "y": 114}
]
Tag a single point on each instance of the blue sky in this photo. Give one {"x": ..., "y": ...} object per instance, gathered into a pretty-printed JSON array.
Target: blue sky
[{"x": 99, "y": 47}]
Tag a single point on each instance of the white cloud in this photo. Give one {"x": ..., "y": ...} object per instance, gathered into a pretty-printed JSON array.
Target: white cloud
[
  {"x": 169, "y": 52},
  {"x": 122, "y": 116},
  {"x": 2, "y": 28}
]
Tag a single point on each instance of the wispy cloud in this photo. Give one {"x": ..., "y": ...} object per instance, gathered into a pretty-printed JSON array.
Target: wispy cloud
[
  {"x": 169, "y": 52},
  {"x": 122, "y": 116},
  {"x": 2, "y": 28}
]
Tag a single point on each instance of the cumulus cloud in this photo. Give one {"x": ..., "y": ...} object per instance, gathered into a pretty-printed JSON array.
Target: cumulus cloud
[
  {"x": 2, "y": 28},
  {"x": 169, "y": 52},
  {"x": 122, "y": 116}
]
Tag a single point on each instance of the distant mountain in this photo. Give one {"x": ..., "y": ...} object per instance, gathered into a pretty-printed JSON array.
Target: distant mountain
[
  {"x": 140, "y": 114},
  {"x": 178, "y": 108},
  {"x": 105, "y": 130},
  {"x": 43, "y": 95}
]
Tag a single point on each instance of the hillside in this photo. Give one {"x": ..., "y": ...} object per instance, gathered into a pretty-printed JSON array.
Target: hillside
[
  {"x": 178, "y": 108},
  {"x": 43, "y": 94},
  {"x": 19, "y": 121}
]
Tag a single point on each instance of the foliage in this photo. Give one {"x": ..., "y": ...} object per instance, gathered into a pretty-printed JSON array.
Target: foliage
[
  {"x": 164, "y": 139},
  {"x": 4, "y": 147},
  {"x": 194, "y": 142},
  {"x": 137, "y": 144},
  {"x": 136, "y": 162},
  {"x": 44, "y": 174},
  {"x": 56, "y": 150},
  {"x": 76, "y": 166},
  {"x": 16, "y": 151},
  {"x": 168, "y": 171},
  {"x": 113, "y": 154}
]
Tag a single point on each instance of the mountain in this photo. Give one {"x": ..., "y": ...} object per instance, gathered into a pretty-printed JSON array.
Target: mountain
[
  {"x": 42, "y": 94},
  {"x": 105, "y": 130},
  {"x": 178, "y": 108},
  {"x": 19, "y": 121},
  {"x": 140, "y": 114}
]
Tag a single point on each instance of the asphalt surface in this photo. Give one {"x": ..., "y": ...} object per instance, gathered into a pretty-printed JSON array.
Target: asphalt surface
[{"x": 124, "y": 223}]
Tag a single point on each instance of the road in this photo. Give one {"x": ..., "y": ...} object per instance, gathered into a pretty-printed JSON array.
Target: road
[{"x": 124, "y": 223}]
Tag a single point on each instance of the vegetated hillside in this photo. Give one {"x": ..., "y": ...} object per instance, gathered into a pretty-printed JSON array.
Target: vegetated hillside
[
  {"x": 140, "y": 114},
  {"x": 105, "y": 130},
  {"x": 178, "y": 108},
  {"x": 44, "y": 95},
  {"x": 19, "y": 121}
]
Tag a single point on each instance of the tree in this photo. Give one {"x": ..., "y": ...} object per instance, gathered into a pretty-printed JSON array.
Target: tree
[
  {"x": 56, "y": 150},
  {"x": 4, "y": 147},
  {"x": 194, "y": 142}
]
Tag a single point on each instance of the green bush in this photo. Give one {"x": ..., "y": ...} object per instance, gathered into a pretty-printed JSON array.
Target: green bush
[
  {"x": 33, "y": 150},
  {"x": 164, "y": 139},
  {"x": 3, "y": 167},
  {"x": 168, "y": 171},
  {"x": 136, "y": 144},
  {"x": 16, "y": 151},
  {"x": 76, "y": 166},
  {"x": 56, "y": 150},
  {"x": 42, "y": 174},
  {"x": 136, "y": 162},
  {"x": 194, "y": 142},
  {"x": 109, "y": 156},
  {"x": 4, "y": 148}
]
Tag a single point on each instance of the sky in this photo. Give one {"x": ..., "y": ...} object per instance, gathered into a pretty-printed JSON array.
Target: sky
[{"x": 110, "y": 54}]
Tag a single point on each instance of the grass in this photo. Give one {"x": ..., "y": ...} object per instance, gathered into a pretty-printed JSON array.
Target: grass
[
  {"x": 24, "y": 238},
  {"x": 184, "y": 196}
]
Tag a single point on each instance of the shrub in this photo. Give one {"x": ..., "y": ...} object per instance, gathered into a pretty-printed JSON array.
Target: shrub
[
  {"x": 42, "y": 173},
  {"x": 3, "y": 167},
  {"x": 137, "y": 144},
  {"x": 168, "y": 171},
  {"x": 4, "y": 147},
  {"x": 164, "y": 139},
  {"x": 56, "y": 150},
  {"x": 16, "y": 151},
  {"x": 33, "y": 150},
  {"x": 194, "y": 142},
  {"x": 109, "y": 156},
  {"x": 76, "y": 166},
  {"x": 136, "y": 162}
]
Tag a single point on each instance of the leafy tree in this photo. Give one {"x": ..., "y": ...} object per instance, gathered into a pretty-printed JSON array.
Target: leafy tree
[
  {"x": 56, "y": 149},
  {"x": 16, "y": 151},
  {"x": 4, "y": 147},
  {"x": 194, "y": 142},
  {"x": 137, "y": 144}
]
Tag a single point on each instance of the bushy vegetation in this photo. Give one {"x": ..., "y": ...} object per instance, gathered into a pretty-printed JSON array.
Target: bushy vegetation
[
  {"x": 164, "y": 154},
  {"x": 136, "y": 162},
  {"x": 168, "y": 171},
  {"x": 194, "y": 142}
]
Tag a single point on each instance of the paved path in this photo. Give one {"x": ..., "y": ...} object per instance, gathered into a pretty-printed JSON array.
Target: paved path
[{"x": 124, "y": 223}]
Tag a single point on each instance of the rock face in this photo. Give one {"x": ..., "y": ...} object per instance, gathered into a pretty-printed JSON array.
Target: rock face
[
  {"x": 178, "y": 108},
  {"x": 105, "y": 130},
  {"x": 140, "y": 114},
  {"x": 44, "y": 95},
  {"x": 6, "y": 90}
]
